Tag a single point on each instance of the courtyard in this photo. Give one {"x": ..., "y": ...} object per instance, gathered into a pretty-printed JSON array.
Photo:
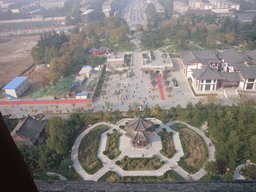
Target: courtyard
[
  {"x": 152, "y": 150},
  {"x": 137, "y": 90}
]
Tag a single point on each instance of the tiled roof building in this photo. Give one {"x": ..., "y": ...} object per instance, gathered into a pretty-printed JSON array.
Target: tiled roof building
[
  {"x": 209, "y": 71},
  {"x": 28, "y": 132},
  {"x": 139, "y": 130}
]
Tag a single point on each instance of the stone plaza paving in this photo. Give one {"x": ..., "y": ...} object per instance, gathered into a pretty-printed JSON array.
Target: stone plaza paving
[{"x": 127, "y": 149}]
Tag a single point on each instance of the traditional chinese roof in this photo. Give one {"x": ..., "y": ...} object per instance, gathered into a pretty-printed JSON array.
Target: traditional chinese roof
[
  {"x": 236, "y": 59},
  {"x": 138, "y": 136},
  {"x": 27, "y": 131},
  {"x": 139, "y": 124},
  {"x": 139, "y": 129},
  {"x": 206, "y": 72},
  {"x": 203, "y": 56},
  {"x": 248, "y": 73}
]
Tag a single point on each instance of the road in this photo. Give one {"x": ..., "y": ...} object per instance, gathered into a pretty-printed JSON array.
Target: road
[{"x": 134, "y": 13}]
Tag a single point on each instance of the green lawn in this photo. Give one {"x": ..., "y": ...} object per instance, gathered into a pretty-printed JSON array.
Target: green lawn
[{"x": 58, "y": 90}]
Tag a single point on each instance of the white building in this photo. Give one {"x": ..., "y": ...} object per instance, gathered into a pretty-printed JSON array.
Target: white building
[
  {"x": 86, "y": 71},
  {"x": 16, "y": 87},
  {"x": 116, "y": 59},
  {"x": 180, "y": 6},
  {"x": 82, "y": 95}
]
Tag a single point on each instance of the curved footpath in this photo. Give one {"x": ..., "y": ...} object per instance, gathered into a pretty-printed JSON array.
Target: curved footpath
[{"x": 126, "y": 149}]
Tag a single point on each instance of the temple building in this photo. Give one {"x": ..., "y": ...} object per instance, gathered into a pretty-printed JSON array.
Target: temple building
[{"x": 139, "y": 131}]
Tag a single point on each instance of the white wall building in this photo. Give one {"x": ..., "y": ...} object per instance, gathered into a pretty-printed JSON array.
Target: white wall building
[
  {"x": 180, "y": 6},
  {"x": 86, "y": 71},
  {"x": 82, "y": 95},
  {"x": 16, "y": 87}
]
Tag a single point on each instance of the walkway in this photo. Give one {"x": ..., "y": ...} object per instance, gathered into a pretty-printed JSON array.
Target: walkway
[
  {"x": 61, "y": 177},
  {"x": 160, "y": 88},
  {"x": 237, "y": 175},
  {"x": 170, "y": 164}
]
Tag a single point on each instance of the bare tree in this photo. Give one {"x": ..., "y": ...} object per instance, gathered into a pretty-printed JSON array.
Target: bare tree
[
  {"x": 153, "y": 83},
  {"x": 167, "y": 83},
  {"x": 169, "y": 89},
  {"x": 152, "y": 75}
]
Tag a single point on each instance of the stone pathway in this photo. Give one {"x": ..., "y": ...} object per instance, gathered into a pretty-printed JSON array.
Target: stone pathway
[
  {"x": 127, "y": 149},
  {"x": 237, "y": 175},
  {"x": 59, "y": 175}
]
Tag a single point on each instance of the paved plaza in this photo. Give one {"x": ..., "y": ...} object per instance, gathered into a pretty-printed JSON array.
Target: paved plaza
[
  {"x": 127, "y": 149},
  {"x": 138, "y": 88},
  {"x": 135, "y": 89}
]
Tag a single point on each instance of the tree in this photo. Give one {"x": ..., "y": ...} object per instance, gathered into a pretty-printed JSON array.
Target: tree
[
  {"x": 117, "y": 113},
  {"x": 150, "y": 9},
  {"x": 137, "y": 112},
  {"x": 227, "y": 176},
  {"x": 129, "y": 114},
  {"x": 58, "y": 140},
  {"x": 167, "y": 83},
  {"x": 153, "y": 83},
  {"x": 211, "y": 167},
  {"x": 55, "y": 70},
  {"x": 48, "y": 157},
  {"x": 211, "y": 98},
  {"x": 45, "y": 82},
  {"x": 36, "y": 55},
  {"x": 138, "y": 27},
  {"x": 230, "y": 38},
  {"x": 146, "y": 112}
]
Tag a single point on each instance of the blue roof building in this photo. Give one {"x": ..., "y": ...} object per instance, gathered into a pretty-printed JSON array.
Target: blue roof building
[
  {"x": 15, "y": 83},
  {"x": 16, "y": 87}
]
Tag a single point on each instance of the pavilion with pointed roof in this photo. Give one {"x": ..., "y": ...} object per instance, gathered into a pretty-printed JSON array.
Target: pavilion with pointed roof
[{"x": 139, "y": 131}]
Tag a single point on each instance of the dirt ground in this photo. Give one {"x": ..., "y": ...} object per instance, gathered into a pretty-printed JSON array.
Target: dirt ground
[
  {"x": 35, "y": 76},
  {"x": 15, "y": 57}
]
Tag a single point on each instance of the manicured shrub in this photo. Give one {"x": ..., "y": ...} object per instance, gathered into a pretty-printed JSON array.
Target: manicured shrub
[
  {"x": 118, "y": 162},
  {"x": 121, "y": 126}
]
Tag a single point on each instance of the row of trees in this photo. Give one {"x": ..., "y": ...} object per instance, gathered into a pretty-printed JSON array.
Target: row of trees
[{"x": 206, "y": 30}]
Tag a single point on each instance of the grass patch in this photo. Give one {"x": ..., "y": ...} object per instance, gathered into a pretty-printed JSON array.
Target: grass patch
[
  {"x": 112, "y": 150},
  {"x": 60, "y": 89},
  {"x": 168, "y": 149},
  {"x": 142, "y": 163},
  {"x": 88, "y": 150}
]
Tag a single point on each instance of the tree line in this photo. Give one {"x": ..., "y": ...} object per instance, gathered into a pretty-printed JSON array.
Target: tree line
[{"x": 208, "y": 31}]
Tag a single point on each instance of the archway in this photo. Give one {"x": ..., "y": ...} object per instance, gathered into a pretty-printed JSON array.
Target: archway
[{"x": 158, "y": 72}]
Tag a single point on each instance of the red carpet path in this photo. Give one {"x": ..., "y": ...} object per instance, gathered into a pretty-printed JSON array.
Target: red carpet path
[{"x": 160, "y": 88}]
